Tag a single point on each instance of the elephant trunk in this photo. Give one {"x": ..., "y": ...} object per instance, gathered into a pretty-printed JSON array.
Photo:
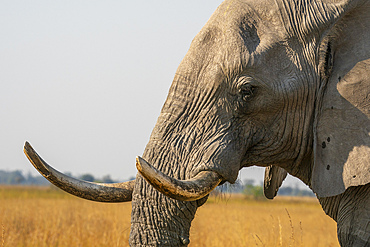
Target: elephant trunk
[{"x": 157, "y": 220}]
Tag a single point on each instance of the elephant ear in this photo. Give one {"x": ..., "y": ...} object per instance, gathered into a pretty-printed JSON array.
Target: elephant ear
[
  {"x": 342, "y": 131},
  {"x": 342, "y": 143},
  {"x": 274, "y": 177}
]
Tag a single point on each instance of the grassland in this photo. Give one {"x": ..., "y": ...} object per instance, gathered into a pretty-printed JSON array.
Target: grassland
[{"x": 34, "y": 216}]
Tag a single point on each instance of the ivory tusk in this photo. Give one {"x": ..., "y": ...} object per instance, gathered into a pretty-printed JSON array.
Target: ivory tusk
[
  {"x": 101, "y": 192},
  {"x": 185, "y": 190}
]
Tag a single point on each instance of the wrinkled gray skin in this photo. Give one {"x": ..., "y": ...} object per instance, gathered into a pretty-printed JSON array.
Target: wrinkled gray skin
[
  {"x": 253, "y": 90},
  {"x": 280, "y": 84}
]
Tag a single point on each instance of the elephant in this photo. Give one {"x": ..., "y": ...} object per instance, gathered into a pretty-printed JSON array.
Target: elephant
[{"x": 280, "y": 84}]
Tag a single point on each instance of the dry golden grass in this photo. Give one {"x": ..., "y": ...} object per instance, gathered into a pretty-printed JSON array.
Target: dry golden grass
[
  {"x": 231, "y": 221},
  {"x": 45, "y": 217},
  {"x": 48, "y": 217}
]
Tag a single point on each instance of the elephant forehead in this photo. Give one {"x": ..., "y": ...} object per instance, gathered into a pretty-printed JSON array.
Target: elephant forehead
[
  {"x": 235, "y": 10},
  {"x": 260, "y": 16},
  {"x": 238, "y": 32}
]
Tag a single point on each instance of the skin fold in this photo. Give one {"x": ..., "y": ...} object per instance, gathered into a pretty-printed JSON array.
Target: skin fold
[{"x": 280, "y": 84}]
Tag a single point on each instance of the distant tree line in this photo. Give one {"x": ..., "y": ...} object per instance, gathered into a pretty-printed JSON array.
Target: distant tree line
[
  {"x": 254, "y": 191},
  {"x": 17, "y": 178},
  {"x": 247, "y": 187}
]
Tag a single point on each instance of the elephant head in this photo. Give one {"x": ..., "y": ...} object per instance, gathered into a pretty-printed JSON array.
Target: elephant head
[{"x": 258, "y": 86}]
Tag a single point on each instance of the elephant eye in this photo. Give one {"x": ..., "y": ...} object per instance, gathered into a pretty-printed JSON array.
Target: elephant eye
[{"x": 246, "y": 90}]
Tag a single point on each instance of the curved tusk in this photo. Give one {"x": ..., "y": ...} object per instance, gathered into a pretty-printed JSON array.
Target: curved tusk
[
  {"x": 185, "y": 190},
  {"x": 101, "y": 192}
]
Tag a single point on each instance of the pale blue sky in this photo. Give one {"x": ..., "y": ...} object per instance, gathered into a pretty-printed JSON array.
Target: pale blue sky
[{"x": 84, "y": 81}]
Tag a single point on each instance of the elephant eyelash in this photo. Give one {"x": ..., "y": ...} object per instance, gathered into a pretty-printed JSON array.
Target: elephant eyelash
[
  {"x": 246, "y": 90},
  {"x": 326, "y": 57}
]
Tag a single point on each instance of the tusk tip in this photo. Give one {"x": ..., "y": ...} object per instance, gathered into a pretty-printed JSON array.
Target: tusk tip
[
  {"x": 35, "y": 159},
  {"x": 27, "y": 149},
  {"x": 27, "y": 146},
  {"x": 142, "y": 166},
  {"x": 138, "y": 163}
]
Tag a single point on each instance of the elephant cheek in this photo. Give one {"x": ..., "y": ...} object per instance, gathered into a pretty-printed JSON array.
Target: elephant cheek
[{"x": 223, "y": 159}]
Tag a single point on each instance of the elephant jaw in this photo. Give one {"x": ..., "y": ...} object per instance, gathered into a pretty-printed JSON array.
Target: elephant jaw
[{"x": 184, "y": 190}]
